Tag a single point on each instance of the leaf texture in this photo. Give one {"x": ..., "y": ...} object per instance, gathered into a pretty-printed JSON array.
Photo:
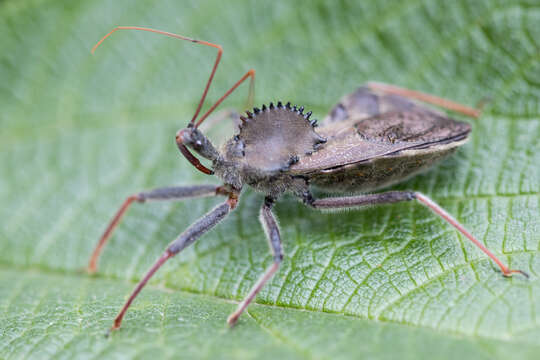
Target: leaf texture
[{"x": 81, "y": 132}]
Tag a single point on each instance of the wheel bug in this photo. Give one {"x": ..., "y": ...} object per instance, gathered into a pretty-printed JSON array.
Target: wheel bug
[{"x": 374, "y": 137}]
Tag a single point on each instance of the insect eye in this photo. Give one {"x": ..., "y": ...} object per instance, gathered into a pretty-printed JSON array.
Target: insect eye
[{"x": 197, "y": 144}]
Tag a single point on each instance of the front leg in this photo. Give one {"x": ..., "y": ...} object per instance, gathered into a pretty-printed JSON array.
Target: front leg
[
  {"x": 397, "y": 196},
  {"x": 185, "y": 239},
  {"x": 271, "y": 230},
  {"x": 160, "y": 194}
]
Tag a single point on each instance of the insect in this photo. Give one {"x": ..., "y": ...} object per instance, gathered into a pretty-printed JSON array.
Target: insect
[{"x": 374, "y": 137}]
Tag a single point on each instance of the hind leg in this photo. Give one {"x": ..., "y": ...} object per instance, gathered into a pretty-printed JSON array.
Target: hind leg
[
  {"x": 377, "y": 98},
  {"x": 427, "y": 98},
  {"x": 398, "y": 196}
]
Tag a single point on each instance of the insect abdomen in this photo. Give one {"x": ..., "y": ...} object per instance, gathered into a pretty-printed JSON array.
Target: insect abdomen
[{"x": 382, "y": 171}]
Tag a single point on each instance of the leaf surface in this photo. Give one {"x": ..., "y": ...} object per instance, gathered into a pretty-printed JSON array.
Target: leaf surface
[{"x": 81, "y": 132}]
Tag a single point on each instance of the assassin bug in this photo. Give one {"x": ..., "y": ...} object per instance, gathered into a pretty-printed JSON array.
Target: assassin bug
[{"x": 374, "y": 137}]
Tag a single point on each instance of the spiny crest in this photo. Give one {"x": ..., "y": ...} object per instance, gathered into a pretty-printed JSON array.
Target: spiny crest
[
  {"x": 294, "y": 109},
  {"x": 273, "y": 137}
]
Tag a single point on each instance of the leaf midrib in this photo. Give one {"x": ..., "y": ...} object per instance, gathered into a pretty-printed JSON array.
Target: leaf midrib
[{"x": 167, "y": 289}]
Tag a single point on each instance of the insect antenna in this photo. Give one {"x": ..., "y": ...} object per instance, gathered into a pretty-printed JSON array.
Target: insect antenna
[
  {"x": 181, "y": 37},
  {"x": 192, "y": 124},
  {"x": 250, "y": 73}
]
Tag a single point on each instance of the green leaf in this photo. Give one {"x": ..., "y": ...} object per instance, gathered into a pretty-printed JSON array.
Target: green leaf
[{"x": 81, "y": 132}]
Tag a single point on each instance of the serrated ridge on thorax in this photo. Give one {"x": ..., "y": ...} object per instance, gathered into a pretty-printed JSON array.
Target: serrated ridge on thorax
[{"x": 273, "y": 137}]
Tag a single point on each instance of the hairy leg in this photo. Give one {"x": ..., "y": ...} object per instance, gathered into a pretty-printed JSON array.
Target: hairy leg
[
  {"x": 185, "y": 239},
  {"x": 272, "y": 233},
  {"x": 397, "y": 196},
  {"x": 159, "y": 194},
  {"x": 427, "y": 98}
]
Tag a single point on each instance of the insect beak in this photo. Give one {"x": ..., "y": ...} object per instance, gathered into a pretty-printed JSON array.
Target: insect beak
[
  {"x": 179, "y": 136},
  {"x": 183, "y": 138}
]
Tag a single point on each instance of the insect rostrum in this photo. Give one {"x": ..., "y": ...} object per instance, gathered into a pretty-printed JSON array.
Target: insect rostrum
[{"x": 372, "y": 138}]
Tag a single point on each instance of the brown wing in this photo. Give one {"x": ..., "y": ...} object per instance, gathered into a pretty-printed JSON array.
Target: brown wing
[{"x": 356, "y": 138}]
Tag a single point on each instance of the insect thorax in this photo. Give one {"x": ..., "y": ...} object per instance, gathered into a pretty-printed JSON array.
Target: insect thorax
[{"x": 270, "y": 140}]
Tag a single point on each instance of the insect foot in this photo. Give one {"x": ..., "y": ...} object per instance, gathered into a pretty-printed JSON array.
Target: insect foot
[
  {"x": 506, "y": 271},
  {"x": 92, "y": 264}
]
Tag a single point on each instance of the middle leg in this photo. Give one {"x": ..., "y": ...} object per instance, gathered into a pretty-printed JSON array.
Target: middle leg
[{"x": 271, "y": 230}]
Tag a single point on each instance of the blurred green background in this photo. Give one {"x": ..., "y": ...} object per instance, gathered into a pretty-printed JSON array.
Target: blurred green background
[{"x": 81, "y": 132}]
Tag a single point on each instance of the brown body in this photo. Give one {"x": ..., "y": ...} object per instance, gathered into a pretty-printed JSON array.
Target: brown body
[
  {"x": 376, "y": 140},
  {"x": 369, "y": 140},
  {"x": 372, "y": 138}
]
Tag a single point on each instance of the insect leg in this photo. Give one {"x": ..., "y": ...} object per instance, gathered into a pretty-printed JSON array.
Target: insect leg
[
  {"x": 272, "y": 233},
  {"x": 185, "y": 239},
  {"x": 431, "y": 99},
  {"x": 396, "y": 196},
  {"x": 163, "y": 194}
]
